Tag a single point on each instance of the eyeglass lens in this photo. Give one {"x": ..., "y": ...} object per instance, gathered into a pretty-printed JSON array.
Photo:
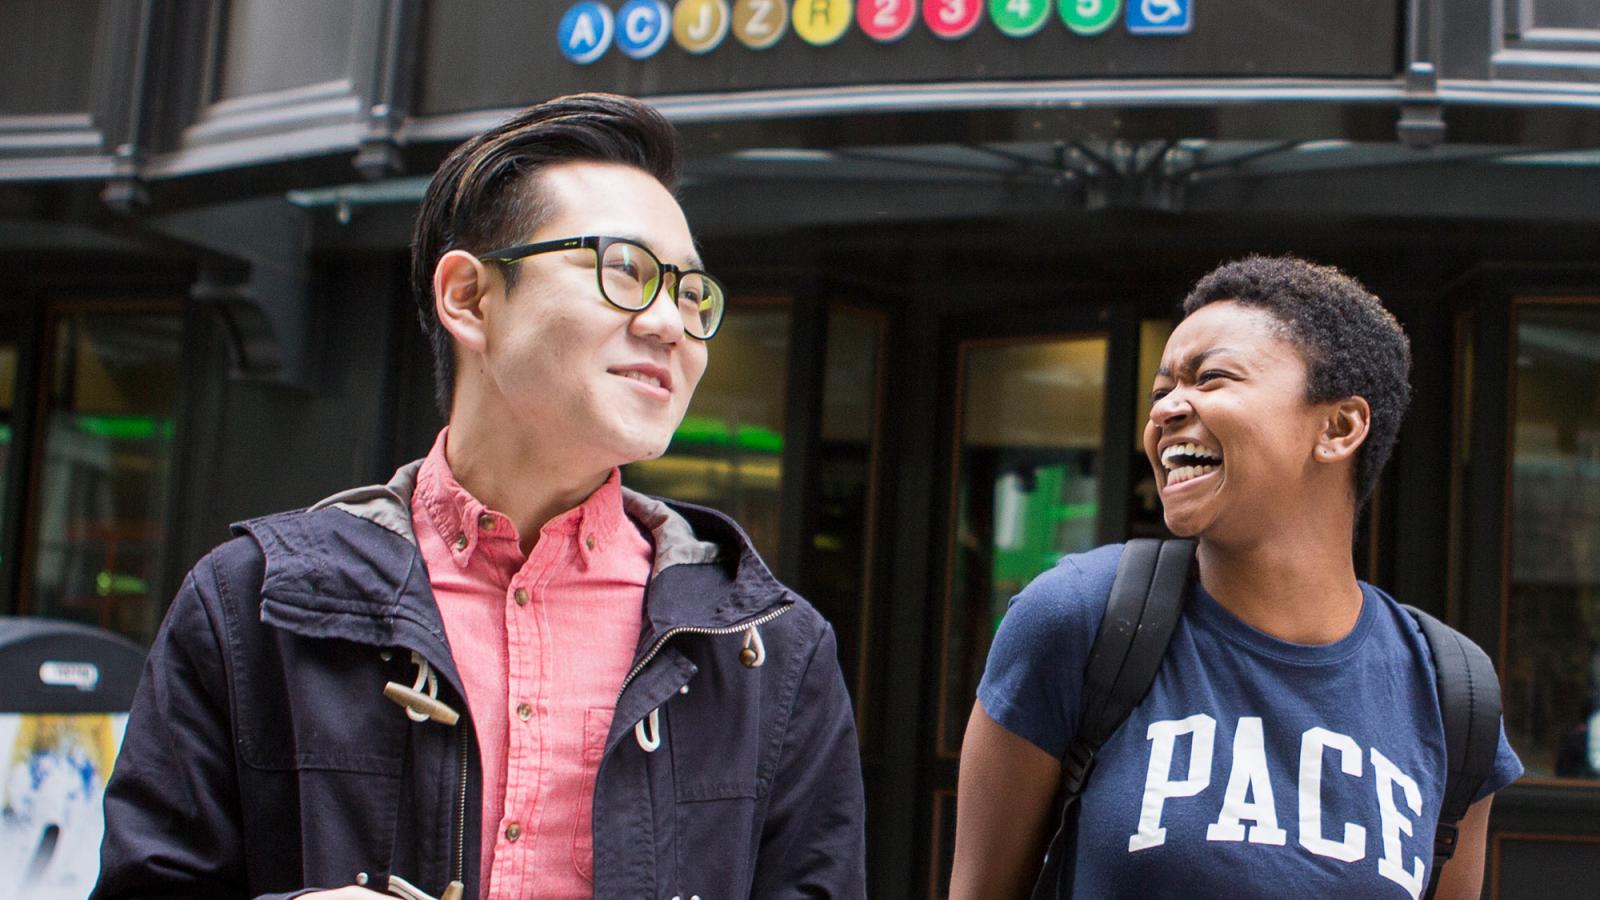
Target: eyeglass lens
[{"x": 630, "y": 277}]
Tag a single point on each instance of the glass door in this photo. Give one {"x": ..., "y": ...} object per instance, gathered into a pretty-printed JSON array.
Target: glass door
[
  {"x": 101, "y": 473},
  {"x": 1550, "y": 651},
  {"x": 1028, "y": 476}
]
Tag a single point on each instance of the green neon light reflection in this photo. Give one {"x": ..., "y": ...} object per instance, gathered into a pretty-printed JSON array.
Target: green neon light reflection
[
  {"x": 705, "y": 431},
  {"x": 125, "y": 428}
]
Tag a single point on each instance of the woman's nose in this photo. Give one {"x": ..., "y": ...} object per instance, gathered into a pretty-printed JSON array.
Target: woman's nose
[{"x": 1172, "y": 406}]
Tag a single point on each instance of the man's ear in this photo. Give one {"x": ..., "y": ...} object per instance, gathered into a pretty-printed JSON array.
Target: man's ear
[
  {"x": 460, "y": 282},
  {"x": 1349, "y": 420}
]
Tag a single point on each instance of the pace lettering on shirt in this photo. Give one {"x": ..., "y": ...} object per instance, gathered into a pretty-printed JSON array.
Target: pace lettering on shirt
[{"x": 1248, "y": 796}]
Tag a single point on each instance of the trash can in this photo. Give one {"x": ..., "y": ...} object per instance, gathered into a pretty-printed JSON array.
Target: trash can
[{"x": 65, "y": 690}]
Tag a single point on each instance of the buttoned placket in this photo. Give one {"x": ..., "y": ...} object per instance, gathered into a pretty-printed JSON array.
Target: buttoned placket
[
  {"x": 569, "y": 544},
  {"x": 528, "y": 675},
  {"x": 545, "y": 637}
]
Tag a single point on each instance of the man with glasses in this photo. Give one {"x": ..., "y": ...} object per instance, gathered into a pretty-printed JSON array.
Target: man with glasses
[{"x": 502, "y": 674}]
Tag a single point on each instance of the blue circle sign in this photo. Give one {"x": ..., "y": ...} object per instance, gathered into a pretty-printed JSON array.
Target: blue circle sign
[
  {"x": 643, "y": 27},
  {"x": 585, "y": 32}
]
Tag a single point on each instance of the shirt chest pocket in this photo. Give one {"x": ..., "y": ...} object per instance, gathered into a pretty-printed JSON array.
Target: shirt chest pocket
[
  {"x": 596, "y": 725},
  {"x": 320, "y": 705}
]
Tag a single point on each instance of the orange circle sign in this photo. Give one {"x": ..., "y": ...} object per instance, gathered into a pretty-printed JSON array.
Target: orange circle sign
[
  {"x": 700, "y": 25},
  {"x": 758, "y": 24}
]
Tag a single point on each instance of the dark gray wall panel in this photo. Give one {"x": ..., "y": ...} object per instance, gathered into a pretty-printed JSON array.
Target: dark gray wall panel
[
  {"x": 262, "y": 448},
  {"x": 47, "y": 52},
  {"x": 1582, "y": 14},
  {"x": 273, "y": 45},
  {"x": 1547, "y": 40},
  {"x": 276, "y": 79}
]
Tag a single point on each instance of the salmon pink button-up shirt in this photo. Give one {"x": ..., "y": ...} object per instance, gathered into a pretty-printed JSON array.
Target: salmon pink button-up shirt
[{"x": 542, "y": 642}]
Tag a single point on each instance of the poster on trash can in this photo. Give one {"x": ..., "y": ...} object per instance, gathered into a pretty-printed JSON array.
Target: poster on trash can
[{"x": 54, "y": 779}]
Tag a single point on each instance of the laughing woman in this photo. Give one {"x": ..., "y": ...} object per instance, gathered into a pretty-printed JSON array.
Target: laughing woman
[{"x": 1291, "y": 743}]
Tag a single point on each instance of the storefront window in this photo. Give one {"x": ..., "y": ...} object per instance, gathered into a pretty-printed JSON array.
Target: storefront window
[
  {"x": 1552, "y": 658},
  {"x": 839, "y": 555},
  {"x": 101, "y": 480},
  {"x": 728, "y": 453},
  {"x": 1028, "y": 471}
]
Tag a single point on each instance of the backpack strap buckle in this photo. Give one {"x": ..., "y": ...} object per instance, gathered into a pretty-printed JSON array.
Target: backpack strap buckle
[
  {"x": 1075, "y": 768},
  {"x": 1445, "y": 835}
]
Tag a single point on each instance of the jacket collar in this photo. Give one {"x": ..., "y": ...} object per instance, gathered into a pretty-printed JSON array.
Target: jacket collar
[
  {"x": 707, "y": 573},
  {"x": 349, "y": 567}
]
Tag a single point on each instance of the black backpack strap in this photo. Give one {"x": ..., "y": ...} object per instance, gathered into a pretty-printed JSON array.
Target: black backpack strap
[
  {"x": 1469, "y": 701},
  {"x": 1142, "y": 611}
]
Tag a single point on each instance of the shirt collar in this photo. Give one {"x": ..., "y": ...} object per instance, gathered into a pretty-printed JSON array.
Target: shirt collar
[
  {"x": 465, "y": 524},
  {"x": 593, "y": 522}
]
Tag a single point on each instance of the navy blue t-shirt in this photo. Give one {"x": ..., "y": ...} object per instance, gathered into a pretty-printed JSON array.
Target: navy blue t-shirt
[{"x": 1254, "y": 767}]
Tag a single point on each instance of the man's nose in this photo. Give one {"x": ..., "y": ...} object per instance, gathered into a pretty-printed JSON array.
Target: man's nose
[{"x": 661, "y": 319}]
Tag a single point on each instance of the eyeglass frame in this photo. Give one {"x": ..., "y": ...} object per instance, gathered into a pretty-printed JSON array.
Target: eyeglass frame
[{"x": 599, "y": 243}]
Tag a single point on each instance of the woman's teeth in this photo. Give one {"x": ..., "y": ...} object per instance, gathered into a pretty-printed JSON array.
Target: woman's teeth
[
  {"x": 1179, "y": 475},
  {"x": 1189, "y": 460}
]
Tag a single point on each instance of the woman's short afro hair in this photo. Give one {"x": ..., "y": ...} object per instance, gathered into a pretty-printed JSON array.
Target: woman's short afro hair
[{"x": 1351, "y": 345}]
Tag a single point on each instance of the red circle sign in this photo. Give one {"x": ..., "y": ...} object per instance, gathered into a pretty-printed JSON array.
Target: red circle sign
[
  {"x": 886, "y": 20},
  {"x": 952, "y": 19}
]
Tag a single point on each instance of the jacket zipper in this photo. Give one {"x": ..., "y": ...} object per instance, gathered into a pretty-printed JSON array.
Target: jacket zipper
[
  {"x": 461, "y": 811},
  {"x": 758, "y": 621}
]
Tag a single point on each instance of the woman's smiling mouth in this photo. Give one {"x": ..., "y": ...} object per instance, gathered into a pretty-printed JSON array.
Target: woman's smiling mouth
[{"x": 1186, "y": 461}]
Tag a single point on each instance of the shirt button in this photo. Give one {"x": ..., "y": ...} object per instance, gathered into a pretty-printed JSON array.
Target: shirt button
[
  {"x": 460, "y": 543},
  {"x": 513, "y": 831},
  {"x": 588, "y": 541},
  {"x": 487, "y": 522},
  {"x": 524, "y": 712},
  {"x": 521, "y": 596}
]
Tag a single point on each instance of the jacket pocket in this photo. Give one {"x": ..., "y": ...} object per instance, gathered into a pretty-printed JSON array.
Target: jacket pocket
[
  {"x": 714, "y": 738},
  {"x": 596, "y": 725},
  {"x": 319, "y": 706},
  {"x": 717, "y": 843}
]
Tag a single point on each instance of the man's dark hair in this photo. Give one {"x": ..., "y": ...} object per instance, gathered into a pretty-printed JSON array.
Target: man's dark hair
[
  {"x": 487, "y": 195},
  {"x": 1351, "y": 345}
]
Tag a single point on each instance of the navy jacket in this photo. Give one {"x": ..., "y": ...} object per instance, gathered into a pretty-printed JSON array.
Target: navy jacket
[{"x": 262, "y": 756}]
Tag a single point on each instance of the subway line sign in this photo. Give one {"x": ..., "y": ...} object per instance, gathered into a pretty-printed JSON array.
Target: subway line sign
[{"x": 641, "y": 28}]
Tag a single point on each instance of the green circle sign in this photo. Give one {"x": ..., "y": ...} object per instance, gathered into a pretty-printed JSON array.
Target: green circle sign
[
  {"x": 1090, "y": 17},
  {"x": 1019, "y": 18}
]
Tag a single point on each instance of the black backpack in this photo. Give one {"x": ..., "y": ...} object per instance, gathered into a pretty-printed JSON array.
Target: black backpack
[{"x": 1143, "y": 610}]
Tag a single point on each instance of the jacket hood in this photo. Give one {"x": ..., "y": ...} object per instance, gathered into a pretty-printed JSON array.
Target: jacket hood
[{"x": 356, "y": 552}]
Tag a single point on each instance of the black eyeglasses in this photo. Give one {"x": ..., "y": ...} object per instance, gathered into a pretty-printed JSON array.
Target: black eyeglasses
[{"x": 630, "y": 277}]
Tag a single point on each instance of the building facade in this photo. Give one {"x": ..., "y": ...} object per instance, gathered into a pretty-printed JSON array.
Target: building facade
[{"x": 955, "y": 233}]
